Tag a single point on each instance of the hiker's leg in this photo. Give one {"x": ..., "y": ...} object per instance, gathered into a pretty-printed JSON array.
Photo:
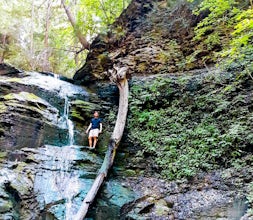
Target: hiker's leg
[
  {"x": 90, "y": 141},
  {"x": 95, "y": 142}
]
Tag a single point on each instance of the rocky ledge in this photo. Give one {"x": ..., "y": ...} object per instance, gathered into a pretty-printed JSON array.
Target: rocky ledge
[{"x": 214, "y": 195}]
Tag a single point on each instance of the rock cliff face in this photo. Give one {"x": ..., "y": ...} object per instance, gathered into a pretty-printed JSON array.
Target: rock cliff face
[
  {"x": 27, "y": 119},
  {"x": 184, "y": 121},
  {"x": 44, "y": 172},
  {"x": 149, "y": 37},
  {"x": 194, "y": 128}
]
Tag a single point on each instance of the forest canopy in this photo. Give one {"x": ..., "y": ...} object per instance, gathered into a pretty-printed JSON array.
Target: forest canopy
[
  {"x": 38, "y": 34},
  {"x": 54, "y": 35},
  {"x": 229, "y": 25}
]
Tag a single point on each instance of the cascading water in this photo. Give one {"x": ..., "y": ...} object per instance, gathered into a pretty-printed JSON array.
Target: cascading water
[
  {"x": 59, "y": 182},
  {"x": 73, "y": 188},
  {"x": 65, "y": 122}
]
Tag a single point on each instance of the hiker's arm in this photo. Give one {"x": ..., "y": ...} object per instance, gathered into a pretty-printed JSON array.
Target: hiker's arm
[
  {"x": 87, "y": 131},
  {"x": 100, "y": 130}
]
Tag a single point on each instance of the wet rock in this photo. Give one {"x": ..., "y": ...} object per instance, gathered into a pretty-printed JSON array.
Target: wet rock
[
  {"x": 5, "y": 206},
  {"x": 49, "y": 178},
  {"x": 31, "y": 109},
  {"x": 183, "y": 200},
  {"x": 28, "y": 121},
  {"x": 247, "y": 217},
  {"x": 6, "y": 69},
  {"x": 161, "y": 208},
  {"x": 38, "y": 179}
]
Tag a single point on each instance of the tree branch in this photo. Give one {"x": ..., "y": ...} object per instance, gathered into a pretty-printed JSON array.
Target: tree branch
[{"x": 79, "y": 35}]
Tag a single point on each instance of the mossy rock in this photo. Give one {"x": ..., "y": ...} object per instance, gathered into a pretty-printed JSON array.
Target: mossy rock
[
  {"x": 22, "y": 96},
  {"x": 3, "y": 108},
  {"x": 161, "y": 208},
  {"x": 5, "y": 206},
  {"x": 205, "y": 126},
  {"x": 130, "y": 172},
  {"x": 3, "y": 154},
  {"x": 81, "y": 110}
]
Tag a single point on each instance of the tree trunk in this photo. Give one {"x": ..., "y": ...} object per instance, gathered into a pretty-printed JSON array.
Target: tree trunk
[
  {"x": 122, "y": 83},
  {"x": 78, "y": 33},
  {"x": 46, "y": 64},
  {"x": 32, "y": 61},
  {"x": 3, "y": 42}
]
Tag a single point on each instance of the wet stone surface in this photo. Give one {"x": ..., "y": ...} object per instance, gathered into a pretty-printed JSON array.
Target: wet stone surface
[{"x": 46, "y": 170}]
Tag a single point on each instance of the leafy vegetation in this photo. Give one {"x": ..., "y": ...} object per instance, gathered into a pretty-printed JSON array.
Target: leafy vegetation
[
  {"x": 36, "y": 35},
  {"x": 189, "y": 125},
  {"x": 228, "y": 26}
]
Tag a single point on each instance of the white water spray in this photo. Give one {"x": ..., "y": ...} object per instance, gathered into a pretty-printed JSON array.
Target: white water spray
[{"x": 66, "y": 123}]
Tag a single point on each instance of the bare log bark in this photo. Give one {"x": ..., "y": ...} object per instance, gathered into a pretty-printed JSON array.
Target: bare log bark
[
  {"x": 120, "y": 78},
  {"x": 78, "y": 33}
]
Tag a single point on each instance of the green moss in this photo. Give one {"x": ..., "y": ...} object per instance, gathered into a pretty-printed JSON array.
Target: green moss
[
  {"x": 130, "y": 173},
  {"x": 5, "y": 206},
  {"x": 9, "y": 96},
  {"x": 21, "y": 166},
  {"x": 75, "y": 114},
  {"x": 13, "y": 80},
  {"x": 22, "y": 96},
  {"x": 161, "y": 208},
  {"x": 103, "y": 59},
  {"x": 81, "y": 110},
  {"x": 3, "y": 154},
  {"x": 171, "y": 53},
  {"x": 141, "y": 67},
  {"x": 84, "y": 105},
  {"x": 3, "y": 108},
  {"x": 80, "y": 102},
  {"x": 119, "y": 32}
]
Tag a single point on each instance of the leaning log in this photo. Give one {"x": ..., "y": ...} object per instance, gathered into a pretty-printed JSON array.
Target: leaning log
[{"x": 119, "y": 77}]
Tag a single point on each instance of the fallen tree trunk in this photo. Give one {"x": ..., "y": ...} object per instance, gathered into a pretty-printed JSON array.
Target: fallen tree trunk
[{"x": 119, "y": 77}]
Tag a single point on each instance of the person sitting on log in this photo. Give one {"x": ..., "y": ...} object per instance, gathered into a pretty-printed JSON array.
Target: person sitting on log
[{"x": 94, "y": 129}]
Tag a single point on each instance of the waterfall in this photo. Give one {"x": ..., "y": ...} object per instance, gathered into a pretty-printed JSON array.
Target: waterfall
[
  {"x": 65, "y": 122},
  {"x": 70, "y": 186},
  {"x": 71, "y": 132},
  {"x": 58, "y": 181},
  {"x": 48, "y": 166}
]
